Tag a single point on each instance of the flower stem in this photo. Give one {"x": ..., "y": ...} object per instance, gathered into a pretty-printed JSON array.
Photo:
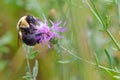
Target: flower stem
[
  {"x": 28, "y": 64},
  {"x": 71, "y": 53},
  {"x": 29, "y": 72},
  {"x": 113, "y": 39}
]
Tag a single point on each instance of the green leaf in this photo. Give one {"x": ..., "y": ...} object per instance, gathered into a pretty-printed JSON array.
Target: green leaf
[
  {"x": 109, "y": 69},
  {"x": 108, "y": 21},
  {"x": 115, "y": 49},
  {"x": 64, "y": 61},
  {"x": 28, "y": 76},
  {"x": 33, "y": 54},
  {"x": 108, "y": 57},
  {"x": 96, "y": 59}
]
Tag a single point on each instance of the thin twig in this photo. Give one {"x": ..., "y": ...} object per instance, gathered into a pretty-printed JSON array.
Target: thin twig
[
  {"x": 79, "y": 58},
  {"x": 113, "y": 39},
  {"x": 76, "y": 55},
  {"x": 28, "y": 64}
]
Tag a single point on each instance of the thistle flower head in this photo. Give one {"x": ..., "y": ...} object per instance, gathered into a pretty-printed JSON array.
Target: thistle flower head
[{"x": 45, "y": 33}]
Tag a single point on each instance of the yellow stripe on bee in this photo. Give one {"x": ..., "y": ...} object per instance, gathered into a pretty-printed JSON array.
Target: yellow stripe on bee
[{"x": 24, "y": 24}]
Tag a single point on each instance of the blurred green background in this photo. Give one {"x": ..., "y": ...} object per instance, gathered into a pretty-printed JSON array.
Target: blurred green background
[{"x": 84, "y": 37}]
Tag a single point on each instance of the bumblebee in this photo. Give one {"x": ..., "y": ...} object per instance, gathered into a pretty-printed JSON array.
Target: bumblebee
[{"x": 26, "y": 30}]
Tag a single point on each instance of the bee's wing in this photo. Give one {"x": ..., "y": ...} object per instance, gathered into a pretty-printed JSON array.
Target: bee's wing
[{"x": 19, "y": 40}]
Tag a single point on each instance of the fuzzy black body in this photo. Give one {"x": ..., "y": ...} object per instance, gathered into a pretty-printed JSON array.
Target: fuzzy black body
[
  {"x": 29, "y": 39},
  {"x": 27, "y": 31}
]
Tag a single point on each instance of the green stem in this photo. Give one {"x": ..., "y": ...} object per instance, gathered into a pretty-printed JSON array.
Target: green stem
[
  {"x": 113, "y": 39},
  {"x": 101, "y": 20},
  {"x": 27, "y": 52},
  {"x": 79, "y": 58},
  {"x": 28, "y": 64}
]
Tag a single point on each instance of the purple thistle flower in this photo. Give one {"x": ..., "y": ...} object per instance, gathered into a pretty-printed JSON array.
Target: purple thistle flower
[{"x": 45, "y": 34}]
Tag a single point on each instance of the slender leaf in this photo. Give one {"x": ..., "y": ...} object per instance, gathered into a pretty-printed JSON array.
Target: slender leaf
[
  {"x": 33, "y": 54},
  {"x": 64, "y": 61},
  {"x": 96, "y": 59},
  {"x": 28, "y": 76},
  {"x": 108, "y": 57}
]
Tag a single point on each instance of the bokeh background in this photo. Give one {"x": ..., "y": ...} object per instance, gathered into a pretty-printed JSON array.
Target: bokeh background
[{"x": 84, "y": 37}]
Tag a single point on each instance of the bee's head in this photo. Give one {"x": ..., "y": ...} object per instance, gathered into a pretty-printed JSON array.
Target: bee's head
[
  {"x": 30, "y": 19},
  {"x": 25, "y": 22}
]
